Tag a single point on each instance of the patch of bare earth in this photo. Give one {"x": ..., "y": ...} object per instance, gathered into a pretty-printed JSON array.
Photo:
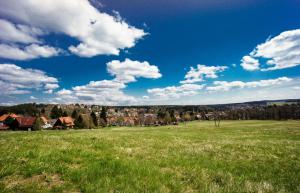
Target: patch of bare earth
[{"x": 42, "y": 181}]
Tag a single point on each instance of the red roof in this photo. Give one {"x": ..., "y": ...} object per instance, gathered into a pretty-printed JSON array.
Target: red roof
[
  {"x": 67, "y": 121},
  {"x": 5, "y": 116},
  {"x": 25, "y": 121},
  {"x": 44, "y": 119}
]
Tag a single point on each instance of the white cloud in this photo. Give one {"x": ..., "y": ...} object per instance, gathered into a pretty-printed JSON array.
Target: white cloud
[
  {"x": 249, "y": 63},
  {"x": 225, "y": 86},
  {"x": 175, "y": 91},
  {"x": 281, "y": 52},
  {"x": 198, "y": 74},
  {"x": 110, "y": 92},
  {"x": 29, "y": 52},
  {"x": 97, "y": 92},
  {"x": 129, "y": 70},
  {"x": 33, "y": 98},
  {"x": 17, "y": 80},
  {"x": 98, "y": 33},
  {"x": 64, "y": 92},
  {"x": 18, "y": 33},
  {"x": 50, "y": 86}
]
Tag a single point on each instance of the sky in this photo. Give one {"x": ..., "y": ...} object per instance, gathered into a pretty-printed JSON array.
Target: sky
[{"x": 141, "y": 52}]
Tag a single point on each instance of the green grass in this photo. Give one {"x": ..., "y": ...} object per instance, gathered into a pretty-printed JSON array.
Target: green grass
[{"x": 240, "y": 156}]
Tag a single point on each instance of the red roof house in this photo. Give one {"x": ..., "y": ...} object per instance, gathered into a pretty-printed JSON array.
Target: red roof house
[
  {"x": 23, "y": 123},
  {"x": 64, "y": 122}
]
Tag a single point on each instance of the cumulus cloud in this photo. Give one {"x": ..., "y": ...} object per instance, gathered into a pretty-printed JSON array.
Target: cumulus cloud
[
  {"x": 281, "y": 52},
  {"x": 111, "y": 92},
  {"x": 33, "y": 98},
  {"x": 102, "y": 92},
  {"x": 28, "y": 52},
  {"x": 225, "y": 86},
  {"x": 128, "y": 70},
  {"x": 249, "y": 63},
  {"x": 17, "y": 80},
  {"x": 98, "y": 33},
  {"x": 18, "y": 33},
  {"x": 198, "y": 74},
  {"x": 175, "y": 91}
]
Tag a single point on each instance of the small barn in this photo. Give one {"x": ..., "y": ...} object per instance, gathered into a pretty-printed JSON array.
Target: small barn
[
  {"x": 64, "y": 123},
  {"x": 22, "y": 123}
]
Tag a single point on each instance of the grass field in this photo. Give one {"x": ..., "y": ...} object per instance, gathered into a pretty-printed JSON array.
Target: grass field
[{"x": 240, "y": 156}]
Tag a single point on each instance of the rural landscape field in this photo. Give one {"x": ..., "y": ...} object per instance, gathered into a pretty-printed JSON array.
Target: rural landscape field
[
  {"x": 149, "y": 96},
  {"x": 239, "y": 156}
]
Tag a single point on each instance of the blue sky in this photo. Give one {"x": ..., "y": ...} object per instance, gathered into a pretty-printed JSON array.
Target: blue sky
[{"x": 140, "y": 52}]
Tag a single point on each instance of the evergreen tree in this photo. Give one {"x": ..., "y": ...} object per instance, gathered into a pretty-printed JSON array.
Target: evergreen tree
[
  {"x": 172, "y": 114},
  {"x": 37, "y": 124},
  {"x": 43, "y": 111},
  {"x": 167, "y": 118},
  {"x": 65, "y": 114},
  {"x": 79, "y": 122},
  {"x": 74, "y": 114},
  {"x": 94, "y": 118},
  {"x": 103, "y": 116},
  {"x": 56, "y": 112}
]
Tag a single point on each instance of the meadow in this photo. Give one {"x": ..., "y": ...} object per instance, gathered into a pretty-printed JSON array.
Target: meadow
[{"x": 239, "y": 156}]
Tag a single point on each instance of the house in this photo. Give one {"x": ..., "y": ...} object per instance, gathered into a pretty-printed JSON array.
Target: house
[
  {"x": 52, "y": 122},
  {"x": 64, "y": 123},
  {"x": 6, "y": 120},
  {"x": 22, "y": 123},
  {"x": 46, "y": 123}
]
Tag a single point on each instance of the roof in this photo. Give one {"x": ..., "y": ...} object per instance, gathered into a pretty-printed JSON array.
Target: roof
[
  {"x": 44, "y": 119},
  {"x": 25, "y": 121},
  {"x": 68, "y": 121},
  {"x": 5, "y": 116},
  {"x": 13, "y": 115}
]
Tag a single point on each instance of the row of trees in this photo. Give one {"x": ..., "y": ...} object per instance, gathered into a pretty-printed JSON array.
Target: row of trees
[{"x": 273, "y": 112}]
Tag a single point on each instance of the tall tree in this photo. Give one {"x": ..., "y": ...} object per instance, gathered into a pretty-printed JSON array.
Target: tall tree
[
  {"x": 79, "y": 122},
  {"x": 56, "y": 112},
  {"x": 65, "y": 114},
  {"x": 74, "y": 114},
  {"x": 37, "y": 124},
  {"x": 94, "y": 118},
  {"x": 103, "y": 116},
  {"x": 167, "y": 118}
]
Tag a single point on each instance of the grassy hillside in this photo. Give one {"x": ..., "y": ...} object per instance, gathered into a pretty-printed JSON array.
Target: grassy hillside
[{"x": 240, "y": 156}]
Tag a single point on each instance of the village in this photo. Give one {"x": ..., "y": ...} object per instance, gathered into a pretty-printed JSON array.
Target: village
[
  {"x": 111, "y": 117},
  {"x": 80, "y": 116}
]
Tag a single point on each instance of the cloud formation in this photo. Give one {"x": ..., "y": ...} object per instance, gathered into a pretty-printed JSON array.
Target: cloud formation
[
  {"x": 173, "y": 92},
  {"x": 18, "y": 33},
  {"x": 98, "y": 33},
  {"x": 111, "y": 92},
  {"x": 102, "y": 92},
  {"x": 17, "y": 80},
  {"x": 202, "y": 71},
  {"x": 128, "y": 70},
  {"x": 226, "y": 86},
  {"x": 281, "y": 52},
  {"x": 28, "y": 52},
  {"x": 249, "y": 63}
]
